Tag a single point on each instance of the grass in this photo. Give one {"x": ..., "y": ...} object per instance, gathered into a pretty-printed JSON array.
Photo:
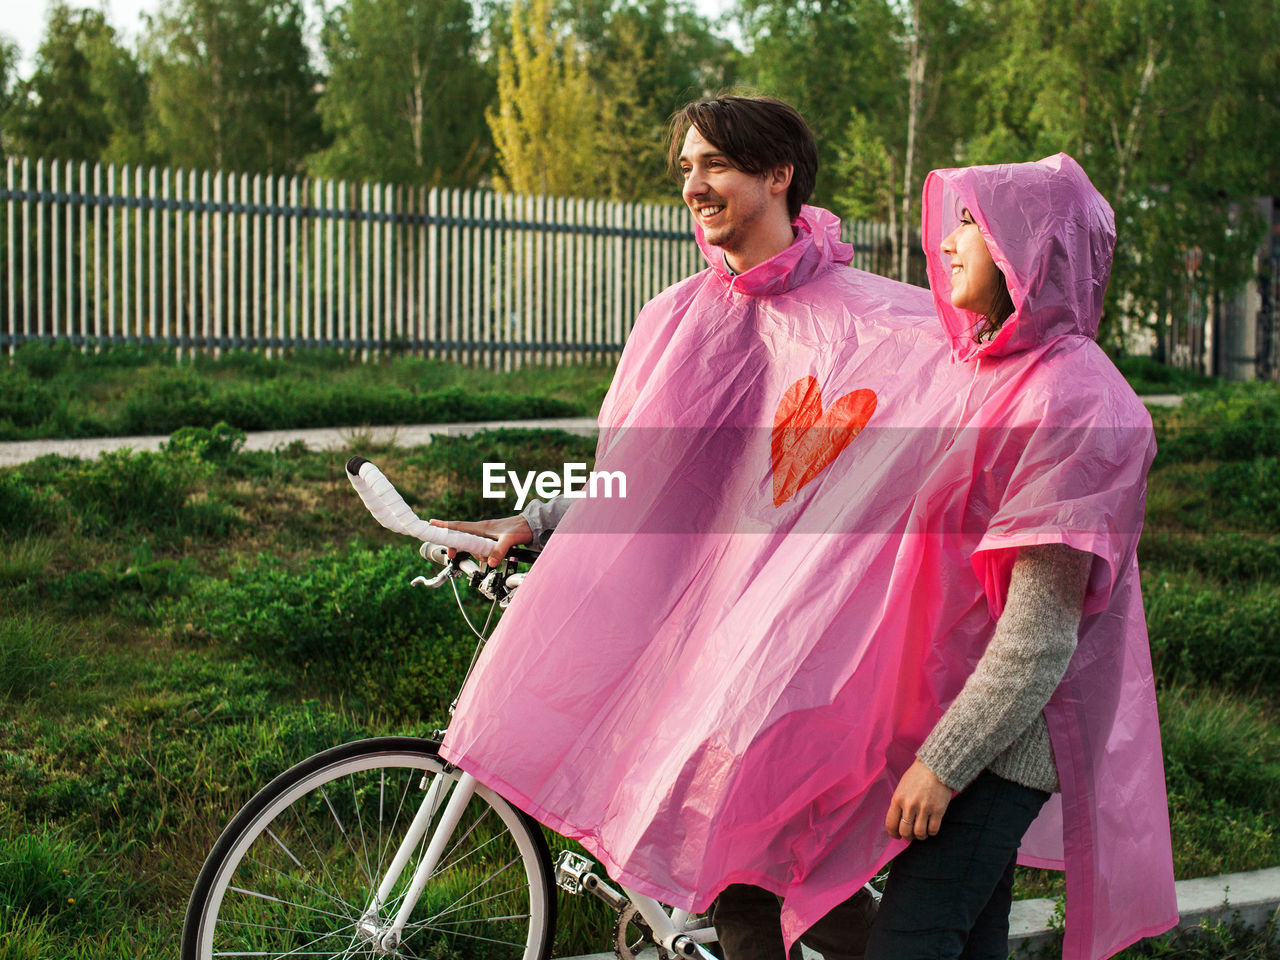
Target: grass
[
  {"x": 178, "y": 627},
  {"x": 58, "y": 391},
  {"x": 55, "y": 390}
]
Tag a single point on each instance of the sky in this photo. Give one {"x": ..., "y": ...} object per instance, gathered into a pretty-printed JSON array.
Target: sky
[{"x": 24, "y": 20}]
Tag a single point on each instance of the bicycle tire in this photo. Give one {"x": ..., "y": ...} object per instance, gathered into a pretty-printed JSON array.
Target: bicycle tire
[{"x": 273, "y": 887}]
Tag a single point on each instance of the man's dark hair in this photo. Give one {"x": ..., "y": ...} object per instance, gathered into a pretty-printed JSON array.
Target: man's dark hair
[{"x": 757, "y": 134}]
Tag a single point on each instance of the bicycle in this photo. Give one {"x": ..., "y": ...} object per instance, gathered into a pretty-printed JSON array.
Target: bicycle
[{"x": 381, "y": 848}]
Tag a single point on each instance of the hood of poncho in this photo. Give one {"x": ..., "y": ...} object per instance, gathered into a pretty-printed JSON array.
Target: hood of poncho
[{"x": 1049, "y": 231}]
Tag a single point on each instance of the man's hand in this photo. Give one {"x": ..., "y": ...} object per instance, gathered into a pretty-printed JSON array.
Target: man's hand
[
  {"x": 509, "y": 532},
  {"x": 915, "y": 812}
]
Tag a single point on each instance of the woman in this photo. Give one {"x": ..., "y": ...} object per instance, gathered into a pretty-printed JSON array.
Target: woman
[{"x": 1018, "y": 259}]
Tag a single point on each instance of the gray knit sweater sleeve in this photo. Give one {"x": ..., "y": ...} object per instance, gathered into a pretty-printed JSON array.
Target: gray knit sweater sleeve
[
  {"x": 998, "y": 712},
  {"x": 543, "y": 517}
]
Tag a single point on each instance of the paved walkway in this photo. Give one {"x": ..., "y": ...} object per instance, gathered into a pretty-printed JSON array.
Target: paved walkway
[
  {"x": 329, "y": 438},
  {"x": 333, "y": 438}
]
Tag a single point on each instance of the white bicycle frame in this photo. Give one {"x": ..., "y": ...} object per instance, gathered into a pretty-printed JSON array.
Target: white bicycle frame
[{"x": 670, "y": 931}]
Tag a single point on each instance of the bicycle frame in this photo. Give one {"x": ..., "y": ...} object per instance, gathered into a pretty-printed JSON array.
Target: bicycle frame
[{"x": 670, "y": 931}]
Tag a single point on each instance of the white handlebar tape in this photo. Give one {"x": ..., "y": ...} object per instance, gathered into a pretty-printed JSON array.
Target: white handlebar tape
[{"x": 390, "y": 510}]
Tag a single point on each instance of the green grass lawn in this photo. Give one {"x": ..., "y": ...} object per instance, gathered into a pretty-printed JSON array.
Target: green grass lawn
[
  {"x": 178, "y": 627},
  {"x": 58, "y": 391}
]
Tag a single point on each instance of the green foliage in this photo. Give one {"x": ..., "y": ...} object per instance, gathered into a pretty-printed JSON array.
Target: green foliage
[
  {"x": 1118, "y": 84},
  {"x": 1211, "y": 940},
  {"x": 45, "y": 874},
  {"x": 58, "y": 391},
  {"x": 216, "y": 444},
  {"x": 232, "y": 85},
  {"x": 34, "y": 656},
  {"x": 1222, "y": 748},
  {"x": 160, "y": 405},
  {"x": 350, "y": 617},
  {"x": 24, "y": 507},
  {"x": 1235, "y": 422},
  {"x": 1147, "y": 375},
  {"x": 1236, "y": 558},
  {"x": 646, "y": 60},
  {"x": 87, "y": 97},
  {"x": 1199, "y": 630},
  {"x": 24, "y": 560},
  {"x": 25, "y": 403},
  {"x": 544, "y": 138},
  {"x": 406, "y": 94},
  {"x": 124, "y": 492},
  {"x": 864, "y": 168}
]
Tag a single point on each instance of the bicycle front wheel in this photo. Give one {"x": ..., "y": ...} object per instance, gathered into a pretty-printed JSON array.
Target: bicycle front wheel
[{"x": 294, "y": 873}]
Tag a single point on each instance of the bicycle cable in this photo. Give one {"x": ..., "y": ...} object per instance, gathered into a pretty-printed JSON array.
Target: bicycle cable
[{"x": 482, "y": 634}]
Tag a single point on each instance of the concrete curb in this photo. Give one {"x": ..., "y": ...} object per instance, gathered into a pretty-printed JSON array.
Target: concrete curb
[
  {"x": 328, "y": 438},
  {"x": 1252, "y": 897}
]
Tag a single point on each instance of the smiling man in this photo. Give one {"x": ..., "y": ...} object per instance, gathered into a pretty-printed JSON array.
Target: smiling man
[{"x": 747, "y": 165}]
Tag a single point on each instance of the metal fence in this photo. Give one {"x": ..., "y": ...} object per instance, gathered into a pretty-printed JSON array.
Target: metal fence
[{"x": 202, "y": 260}]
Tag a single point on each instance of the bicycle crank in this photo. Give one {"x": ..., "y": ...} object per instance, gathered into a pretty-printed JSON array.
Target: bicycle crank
[{"x": 632, "y": 938}]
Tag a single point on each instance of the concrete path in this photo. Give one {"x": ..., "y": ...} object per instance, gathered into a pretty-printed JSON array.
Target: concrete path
[
  {"x": 329, "y": 438},
  {"x": 1254, "y": 896},
  {"x": 333, "y": 438}
]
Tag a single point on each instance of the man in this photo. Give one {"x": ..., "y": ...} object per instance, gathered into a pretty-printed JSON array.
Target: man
[
  {"x": 747, "y": 166},
  {"x": 725, "y": 683}
]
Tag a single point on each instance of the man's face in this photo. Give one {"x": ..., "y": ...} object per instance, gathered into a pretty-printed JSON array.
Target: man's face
[{"x": 727, "y": 202}]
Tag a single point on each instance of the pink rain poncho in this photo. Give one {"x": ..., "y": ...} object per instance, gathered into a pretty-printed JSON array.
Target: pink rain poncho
[{"x": 722, "y": 677}]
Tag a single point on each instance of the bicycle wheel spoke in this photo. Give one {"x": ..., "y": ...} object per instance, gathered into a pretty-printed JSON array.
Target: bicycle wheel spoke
[
  {"x": 469, "y": 854},
  {"x": 297, "y": 879},
  {"x": 476, "y": 887},
  {"x": 475, "y": 903},
  {"x": 345, "y": 835},
  {"x": 364, "y": 848},
  {"x": 287, "y": 903},
  {"x": 322, "y": 860}
]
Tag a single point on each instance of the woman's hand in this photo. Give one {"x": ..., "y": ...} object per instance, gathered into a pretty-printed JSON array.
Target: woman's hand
[
  {"x": 915, "y": 812},
  {"x": 509, "y": 532}
]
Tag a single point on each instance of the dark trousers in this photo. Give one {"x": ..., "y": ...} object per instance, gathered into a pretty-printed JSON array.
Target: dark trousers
[
  {"x": 948, "y": 897},
  {"x": 748, "y": 922}
]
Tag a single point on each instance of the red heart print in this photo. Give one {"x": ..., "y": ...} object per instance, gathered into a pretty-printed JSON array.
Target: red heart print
[{"x": 806, "y": 440}]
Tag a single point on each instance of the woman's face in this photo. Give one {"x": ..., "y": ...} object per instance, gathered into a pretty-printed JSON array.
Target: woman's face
[{"x": 974, "y": 275}]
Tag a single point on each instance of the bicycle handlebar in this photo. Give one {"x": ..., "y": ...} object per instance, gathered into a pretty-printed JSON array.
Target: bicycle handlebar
[{"x": 390, "y": 510}]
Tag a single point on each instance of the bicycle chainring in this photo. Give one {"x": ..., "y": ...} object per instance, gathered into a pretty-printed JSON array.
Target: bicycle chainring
[{"x": 632, "y": 938}]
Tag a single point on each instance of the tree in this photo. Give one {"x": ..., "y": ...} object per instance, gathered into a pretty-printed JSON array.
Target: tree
[
  {"x": 1151, "y": 96},
  {"x": 406, "y": 94},
  {"x": 872, "y": 78},
  {"x": 546, "y": 124},
  {"x": 8, "y": 79},
  {"x": 86, "y": 98},
  {"x": 826, "y": 57},
  {"x": 232, "y": 85},
  {"x": 646, "y": 59}
]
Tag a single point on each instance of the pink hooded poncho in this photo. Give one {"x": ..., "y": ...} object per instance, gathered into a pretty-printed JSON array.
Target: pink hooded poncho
[{"x": 721, "y": 677}]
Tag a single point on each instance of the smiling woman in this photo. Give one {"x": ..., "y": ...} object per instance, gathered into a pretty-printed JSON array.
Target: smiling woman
[{"x": 976, "y": 282}]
